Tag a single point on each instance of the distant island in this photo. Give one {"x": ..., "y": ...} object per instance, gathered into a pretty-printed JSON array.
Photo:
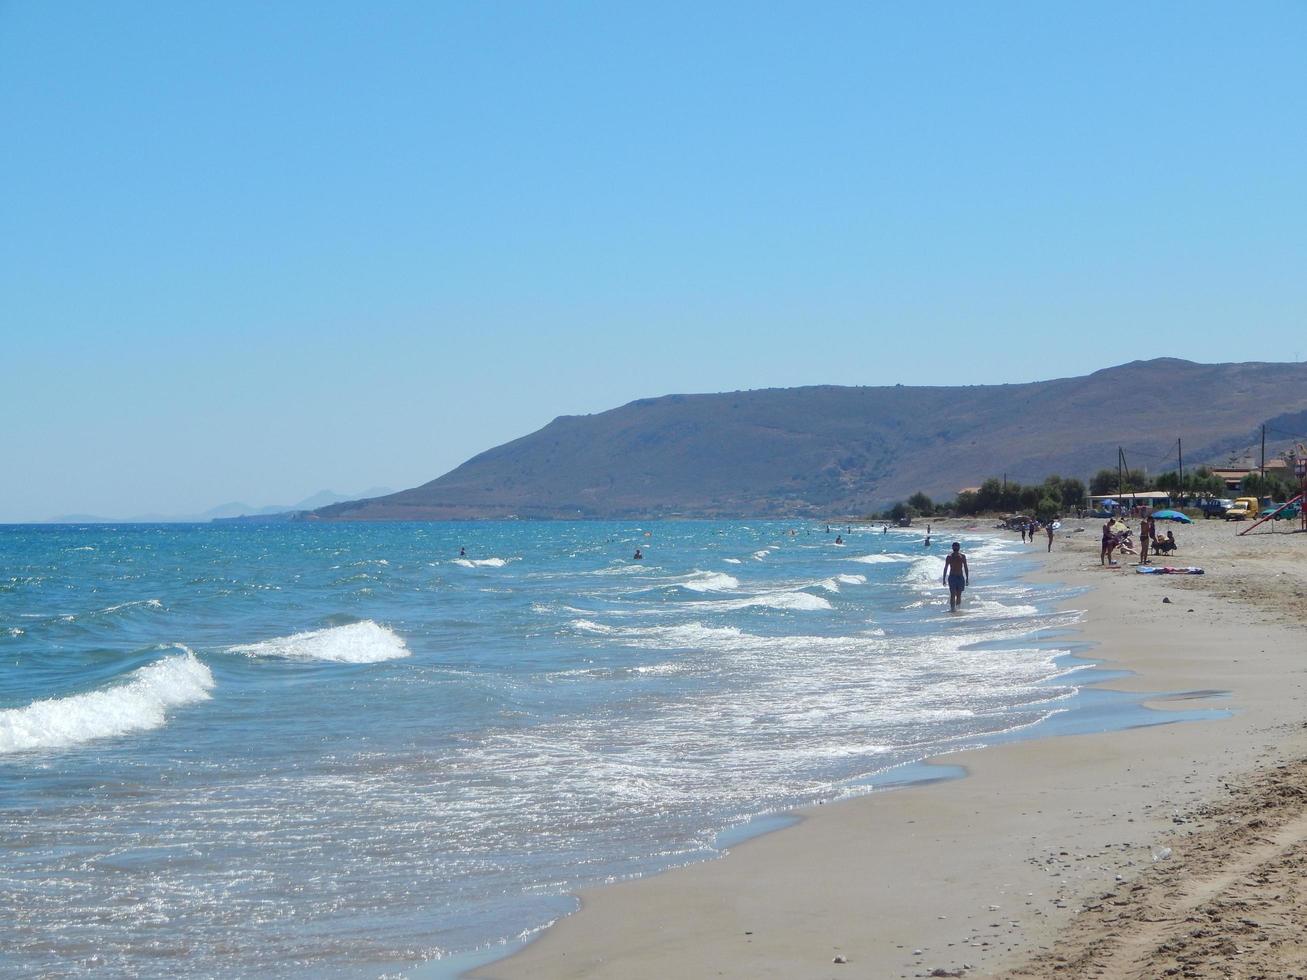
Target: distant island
[
  {"x": 827, "y": 450},
  {"x": 230, "y": 511}
]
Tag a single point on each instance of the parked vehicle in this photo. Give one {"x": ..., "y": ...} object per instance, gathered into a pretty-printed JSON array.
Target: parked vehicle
[
  {"x": 1244, "y": 507},
  {"x": 1216, "y": 507}
]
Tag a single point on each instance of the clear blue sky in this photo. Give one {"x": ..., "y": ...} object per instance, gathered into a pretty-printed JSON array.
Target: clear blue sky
[{"x": 255, "y": 250}]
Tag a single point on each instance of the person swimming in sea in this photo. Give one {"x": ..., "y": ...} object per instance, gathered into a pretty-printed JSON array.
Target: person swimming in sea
[
  {"x": 639, "y": 555},
  {"x": 839, "y": 539},
  {"x": 462, "y": 552}
]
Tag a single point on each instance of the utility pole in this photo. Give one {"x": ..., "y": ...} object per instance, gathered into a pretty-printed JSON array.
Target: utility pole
[
  {"x": 1120, "y": 474},
  {"x": 1263, "y": 451},
  {"x": 1179, "y": 452}
]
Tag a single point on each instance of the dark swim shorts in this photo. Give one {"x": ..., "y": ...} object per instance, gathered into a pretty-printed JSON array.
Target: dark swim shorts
[{"x": 957, "y": 582}]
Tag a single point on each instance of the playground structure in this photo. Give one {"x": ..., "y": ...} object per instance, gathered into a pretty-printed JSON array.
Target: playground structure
[{"x": 1298, "y": 459}]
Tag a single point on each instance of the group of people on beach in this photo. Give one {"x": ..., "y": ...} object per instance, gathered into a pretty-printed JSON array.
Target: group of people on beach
[
  {"x": 1117, "y": 536},
  {"x": 1030, "y": 527}
]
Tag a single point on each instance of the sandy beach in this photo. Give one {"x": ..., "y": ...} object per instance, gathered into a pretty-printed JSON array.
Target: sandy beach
[{"x": 1170, "y": 850}]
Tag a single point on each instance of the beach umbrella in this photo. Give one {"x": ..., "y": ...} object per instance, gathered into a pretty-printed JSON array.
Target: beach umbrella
[
  {"x": 1108, "y": 503},
  {"x": 1171, "y": 515}
]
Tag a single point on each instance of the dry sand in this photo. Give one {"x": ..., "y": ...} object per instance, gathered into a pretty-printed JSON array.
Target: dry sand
[{"x": 1051, "y": 857}]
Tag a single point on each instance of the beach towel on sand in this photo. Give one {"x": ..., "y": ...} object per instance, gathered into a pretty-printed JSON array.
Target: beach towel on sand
[{"x": 1167, "y": 570}]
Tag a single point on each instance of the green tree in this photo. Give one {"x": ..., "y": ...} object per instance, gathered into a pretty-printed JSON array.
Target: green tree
[
  {"x": 1108, "y": 481},
  {"x": 901, "y": 510},
  {"x": 967, "y": 504},
  {"x": 1256, "y": 485},
  {"x": 1048, "y": 508},
  {"x": 990, "y": 495},
  {"x": 921, "y": 504},
  {"x": 1072, "y": 493}
]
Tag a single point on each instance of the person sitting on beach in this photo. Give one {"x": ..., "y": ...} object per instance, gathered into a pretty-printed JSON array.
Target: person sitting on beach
[
  {"x": 957, "y": 576},
  {"x": 1166, "y": 545}
]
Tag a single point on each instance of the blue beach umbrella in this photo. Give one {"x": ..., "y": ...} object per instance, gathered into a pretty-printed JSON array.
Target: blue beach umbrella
[{"x": 1171, "y": 515}]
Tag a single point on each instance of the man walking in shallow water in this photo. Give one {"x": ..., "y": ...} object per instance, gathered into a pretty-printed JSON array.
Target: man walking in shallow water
[{"x": 957, "y": 576}]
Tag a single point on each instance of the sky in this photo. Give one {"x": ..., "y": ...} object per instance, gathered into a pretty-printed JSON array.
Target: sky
[{"x": 250, "y": 251}]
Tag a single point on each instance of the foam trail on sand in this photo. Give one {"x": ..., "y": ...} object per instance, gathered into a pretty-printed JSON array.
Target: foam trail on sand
[
  {"x": 139, "y": 704},
  {"x": 356, "y": 643}
]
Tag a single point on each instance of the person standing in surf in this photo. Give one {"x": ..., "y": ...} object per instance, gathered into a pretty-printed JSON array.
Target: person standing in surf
[{"x": 957, "y": 576}]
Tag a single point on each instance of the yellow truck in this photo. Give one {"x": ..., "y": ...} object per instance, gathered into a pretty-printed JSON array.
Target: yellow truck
[{"x": 1244, "y": 507}]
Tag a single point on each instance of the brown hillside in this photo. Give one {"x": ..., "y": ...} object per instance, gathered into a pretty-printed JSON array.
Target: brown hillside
[{"x": 831, "y": 450}]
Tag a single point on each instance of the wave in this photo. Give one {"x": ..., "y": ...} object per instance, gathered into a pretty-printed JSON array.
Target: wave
[
  {"x": 710, "y": 582},
  {"x": 801, "y": 601},
  {"x": 696, "y": 634},
  {"x": 833, "y": 583},
  {"x": 589, "y": 626},
  {"x": 880, "y": 559},
  {"x": 733, "y": 561},
  {"x": 760, "y": 555},
  {"x": 139, "y": 704},
  {"x": 482, "y": 562},
  {"x": 150, "y": 603},
  {"x": 357, "y": 643}
]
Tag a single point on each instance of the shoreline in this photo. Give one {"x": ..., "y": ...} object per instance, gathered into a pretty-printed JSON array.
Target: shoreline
[{"x": 978, "y": 874}]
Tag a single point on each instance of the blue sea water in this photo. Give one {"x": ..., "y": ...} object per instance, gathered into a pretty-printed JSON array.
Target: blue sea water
[{"x": 336, "y": 750}]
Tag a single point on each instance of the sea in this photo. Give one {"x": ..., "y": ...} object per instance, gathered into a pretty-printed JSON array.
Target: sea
[{"x": 392, "y": 749}]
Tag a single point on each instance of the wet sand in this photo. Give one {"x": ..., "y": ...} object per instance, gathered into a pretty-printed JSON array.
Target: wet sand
[{"x": 1078, "y": 855}]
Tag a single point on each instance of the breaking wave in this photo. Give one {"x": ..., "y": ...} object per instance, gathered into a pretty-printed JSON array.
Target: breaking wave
[
  {"x": 801, "y": 601},
  {"x": 710, "y": 582},
  {"x": 357, "y": 643},
  {"x": 139, "y": 704},
  {"x": 482, "y": 562}
]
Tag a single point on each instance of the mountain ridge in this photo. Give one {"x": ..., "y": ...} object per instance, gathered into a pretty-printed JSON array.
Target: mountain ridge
[{"x": 827, "y": 449}]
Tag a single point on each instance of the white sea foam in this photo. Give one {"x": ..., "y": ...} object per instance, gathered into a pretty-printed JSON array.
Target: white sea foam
[
  {"x": 589, "y": 626},
  {"x": 879, "y": 559},
  {"x": 695, "y": 634},
  {"x": 801, "y": 601},
  {"x": 482, "y": 562},
  {"x": 150, "y": 603},
  {"x": 710, "y": 582},
  {"x": 760, "y": 555},
  {"x": 732, "y": 561},
  {"x": 851, "y": 579},
  {"x": 138, "y": 704},
  {"x": 357, "y": 643}
]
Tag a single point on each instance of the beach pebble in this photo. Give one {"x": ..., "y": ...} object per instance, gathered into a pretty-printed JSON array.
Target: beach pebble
[
  {"x": 839, "y": 959},
  {"x": 1166, "y": 599}
]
